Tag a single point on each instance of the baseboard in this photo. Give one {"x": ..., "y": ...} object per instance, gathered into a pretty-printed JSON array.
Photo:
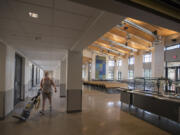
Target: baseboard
[
  {"x": 74, "y": 111},
  {"x": 74, "y": 100},
  {"x": 2, "y": 118},
  {"x": 62, "y": 96}
]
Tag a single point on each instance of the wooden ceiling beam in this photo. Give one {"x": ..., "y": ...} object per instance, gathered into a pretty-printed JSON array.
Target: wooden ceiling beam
[
  {"x": 112, "y": 46},
  {"x": 132, "y": 30},
  {"x": 122, "y": 40},
  {"x": 133, "y": 38},
  {"x": 103, "y": 51},
  {"x": 160, "y": 31}
]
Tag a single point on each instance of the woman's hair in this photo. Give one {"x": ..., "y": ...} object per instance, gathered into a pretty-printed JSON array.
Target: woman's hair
[{"x": 46, "y": 73}]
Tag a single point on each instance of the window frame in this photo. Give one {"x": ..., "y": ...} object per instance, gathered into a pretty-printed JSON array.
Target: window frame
[
  {"x": 131, "y": 61},
  {"x": 111, "y": 63},
  {"x": 147, "y": 58},
  {"x": 119, "y": 63}
]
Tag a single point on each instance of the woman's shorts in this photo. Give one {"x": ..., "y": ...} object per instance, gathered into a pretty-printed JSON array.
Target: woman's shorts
[{"x": 46, "y": 95}]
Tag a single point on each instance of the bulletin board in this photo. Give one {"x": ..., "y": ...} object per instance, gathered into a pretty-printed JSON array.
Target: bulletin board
[{"x": 100, "y": 67}]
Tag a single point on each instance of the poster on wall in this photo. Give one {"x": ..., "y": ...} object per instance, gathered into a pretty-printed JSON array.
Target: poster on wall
[{"x": 100, "y": 67}]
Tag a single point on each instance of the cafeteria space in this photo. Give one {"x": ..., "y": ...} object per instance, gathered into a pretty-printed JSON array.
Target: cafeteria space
[{"x": 115, "y": 64}]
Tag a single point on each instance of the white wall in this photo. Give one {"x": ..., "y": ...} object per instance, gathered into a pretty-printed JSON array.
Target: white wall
[
  {"x": 9, "y": 79},
  {"x": 56, "y": 76},
  {"x": 7, "y": 75},
  {"x": 2, "y": 77}
]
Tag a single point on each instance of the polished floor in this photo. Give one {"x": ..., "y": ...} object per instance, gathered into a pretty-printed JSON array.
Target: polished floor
[{"x": 101, "y": 116}]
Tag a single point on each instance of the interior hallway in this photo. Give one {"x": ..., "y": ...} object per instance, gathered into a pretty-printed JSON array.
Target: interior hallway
[{"x": 101, "y": 116}]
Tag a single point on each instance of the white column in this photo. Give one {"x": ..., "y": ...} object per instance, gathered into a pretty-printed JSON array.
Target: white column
[
  {"x": 158, "y": 61},
  {"x": 107, "y": 66},
  {"x": 74, "y": 81},
  {"x": 124, "y": 68},
  {"x": 116, "y": 70},
  {"x": 63, "y": 76},
  {"x": 138, "y": 66}
]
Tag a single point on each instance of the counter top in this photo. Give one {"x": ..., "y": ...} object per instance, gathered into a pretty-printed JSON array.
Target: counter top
[{"x": 154, "y": 95}]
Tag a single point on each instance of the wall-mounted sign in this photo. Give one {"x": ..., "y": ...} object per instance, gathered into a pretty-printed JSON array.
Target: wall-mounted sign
[{"x": 174, "y": 56}]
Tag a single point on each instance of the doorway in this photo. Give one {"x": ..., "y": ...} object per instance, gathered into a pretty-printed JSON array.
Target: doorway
[{"x": 18, "y": 79}]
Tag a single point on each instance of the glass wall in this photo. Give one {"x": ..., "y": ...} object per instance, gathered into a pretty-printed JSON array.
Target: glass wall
[
  {"x": 130, "y": 74},
  {"x": 119, "y": 75},
  {"x": 147, "y": 73}
]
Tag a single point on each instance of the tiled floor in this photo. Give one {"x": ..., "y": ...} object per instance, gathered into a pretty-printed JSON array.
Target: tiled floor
[{"x": 101, "y": 116}]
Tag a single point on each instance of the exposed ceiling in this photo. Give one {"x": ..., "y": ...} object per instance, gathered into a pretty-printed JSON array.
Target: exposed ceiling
[
  {"x": 63, "y": 25},
  {"x": 60, "y": 24},
  {"x": 130, "y": 37},
  {"x": 125, "y": 8}
]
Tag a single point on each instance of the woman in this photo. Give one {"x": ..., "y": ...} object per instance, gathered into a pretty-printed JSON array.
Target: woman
[{"x": 46, "y": 87}]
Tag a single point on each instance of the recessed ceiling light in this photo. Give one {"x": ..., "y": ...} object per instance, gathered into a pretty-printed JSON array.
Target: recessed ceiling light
[{"x": 33, "y": 15}]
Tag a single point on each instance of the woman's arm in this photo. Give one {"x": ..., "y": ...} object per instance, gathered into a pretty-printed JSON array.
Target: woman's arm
[{"x": 41, "y": 84}]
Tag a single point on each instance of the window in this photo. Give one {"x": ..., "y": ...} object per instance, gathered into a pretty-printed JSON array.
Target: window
[
  {"x": 111, "y": 75},
  {"x": 119, "y": 75},
  {"x": 83, "y": 71},
  {"x": 172, "y": 47},
  {"x": 111, "y": 63},
  {"x": 131, "y": 60},
  {"x": 147, "y": 73},
  {"x": 119, "y": 63},
  {"x": 130, "y": 74},
  {"x": 147, "y": 58}
]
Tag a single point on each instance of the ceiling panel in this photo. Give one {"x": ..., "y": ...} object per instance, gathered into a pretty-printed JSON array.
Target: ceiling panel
[
  {"x": 22, "y": 12},
  {"x": 69, "y": 20},
  {"x": 48, "y": 3},
  {"x": 37, "y": 29},
  {"x": 66, "y": 5},
  {"x": 46, "y": 30},
  {"x": 10, "y": 27},
  {"x": 30, "y": 44},
  {"x": 5, "y": 10}
]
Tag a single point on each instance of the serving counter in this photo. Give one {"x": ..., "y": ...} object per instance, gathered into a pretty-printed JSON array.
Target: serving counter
[{"x": 165, "y": 106}]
